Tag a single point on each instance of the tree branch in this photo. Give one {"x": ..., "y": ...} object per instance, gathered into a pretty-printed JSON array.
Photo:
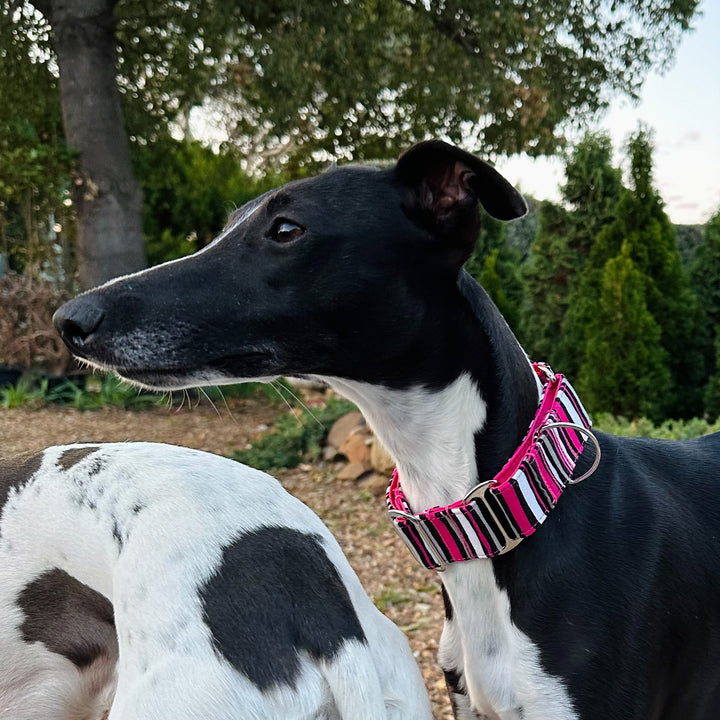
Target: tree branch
[{"x": 452, "y": 29}]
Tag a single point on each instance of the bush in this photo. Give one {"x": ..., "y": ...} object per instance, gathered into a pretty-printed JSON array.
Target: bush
[
  {"x": 27, "y": 336},
  {"x": 667, "y": 430},
  {"x": 291, "y": 441},
  {"x": 188, "y": 191}
]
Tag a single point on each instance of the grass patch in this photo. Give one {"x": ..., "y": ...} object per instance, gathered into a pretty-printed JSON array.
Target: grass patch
[
  {"x": 294, "y": 439},
  {"x": 95, "y": 393},
  {"x": 105, "y": 391},
  {"x": 391, "y": 596},
  {"x": 25, "y": 393}
]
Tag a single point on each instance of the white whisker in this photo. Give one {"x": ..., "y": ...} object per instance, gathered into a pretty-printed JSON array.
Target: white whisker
[
  {"x": 293, "y": 411},
  {"x": 209, "y": 399},
  {"x": 227, "y": 407},
  {"x": 299, "y": 400}
]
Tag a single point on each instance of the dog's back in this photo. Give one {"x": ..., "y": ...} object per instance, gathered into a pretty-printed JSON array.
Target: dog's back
[{"x": 229, "y": 596}]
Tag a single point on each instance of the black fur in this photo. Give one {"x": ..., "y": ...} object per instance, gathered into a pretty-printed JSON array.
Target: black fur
[
  {"x": 631, "y": 558},
  {"x": 344, "y": 284},
  {"x": 262, "y": 605}
]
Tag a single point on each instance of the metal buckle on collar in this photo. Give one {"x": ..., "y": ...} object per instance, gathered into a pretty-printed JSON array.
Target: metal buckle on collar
[
  {"x": 429, "y": 540},
  {"x": 478, "y": 493},
  {"x": 590, "y": 436}
]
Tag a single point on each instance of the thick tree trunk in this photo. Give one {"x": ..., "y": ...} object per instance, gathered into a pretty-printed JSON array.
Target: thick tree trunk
[{"x": 106, "y": 193}]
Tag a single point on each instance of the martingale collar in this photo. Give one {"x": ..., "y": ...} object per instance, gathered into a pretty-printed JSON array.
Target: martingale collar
[{"x": 497, "y": 514}]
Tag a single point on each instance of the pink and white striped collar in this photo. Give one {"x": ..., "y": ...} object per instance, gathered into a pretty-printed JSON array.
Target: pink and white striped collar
[{"x": 497, "y": 514}]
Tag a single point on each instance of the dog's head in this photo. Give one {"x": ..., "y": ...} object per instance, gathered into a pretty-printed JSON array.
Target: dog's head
[{"x": 336, "y": 275}]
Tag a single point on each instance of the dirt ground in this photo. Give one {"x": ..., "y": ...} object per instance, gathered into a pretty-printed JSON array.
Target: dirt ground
[{"x": 408, "y": 594}]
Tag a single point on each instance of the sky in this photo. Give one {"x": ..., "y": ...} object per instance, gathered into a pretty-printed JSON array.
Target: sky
[{"x": 682, "y": 106}]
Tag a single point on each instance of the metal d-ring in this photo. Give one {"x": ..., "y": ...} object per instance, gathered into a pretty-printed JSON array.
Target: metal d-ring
[{"x": 590, "y": 435}]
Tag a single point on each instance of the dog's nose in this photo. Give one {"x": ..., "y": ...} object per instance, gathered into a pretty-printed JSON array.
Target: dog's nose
[{"x": 77, "y": 320}]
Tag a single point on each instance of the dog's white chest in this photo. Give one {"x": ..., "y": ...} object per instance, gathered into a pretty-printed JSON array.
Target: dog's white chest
[{"x": 498, "y": 665}]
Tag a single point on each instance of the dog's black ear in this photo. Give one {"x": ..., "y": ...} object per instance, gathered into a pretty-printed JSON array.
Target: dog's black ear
[{"x": 445, "y": 179}]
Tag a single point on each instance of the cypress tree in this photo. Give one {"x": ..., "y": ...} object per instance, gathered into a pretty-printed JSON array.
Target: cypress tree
[
  {"x": 670, "y": 299},
  {"x": 546, "y": 280},
  {"x": 624, "y": 370},
  {"x": 495, "y": 265},
  {"x": 642, "y": 233},
  {"x": 711, "y": 394},
  {"x": 705, "y": 279},
  {"x": 705, "y": 269},
  {"x": 593, "y": 188}
]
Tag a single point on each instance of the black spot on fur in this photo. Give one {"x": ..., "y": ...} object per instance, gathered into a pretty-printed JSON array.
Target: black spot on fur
[
  {"x": 117, "y": 534},
  {"x": 453, "y": 682},
  {"x": 73, "y": 456},
  {"x": 277, "y": 594},
  {"x": 96, "y": 466},
  {"x": 68, "y": 617},
  {"x": 15, "y": 471},
  {"x": 449, "y": 612}
]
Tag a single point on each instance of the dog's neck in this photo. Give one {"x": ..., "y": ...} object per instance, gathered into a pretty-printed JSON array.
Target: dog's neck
[{"x": 447, "y": 440}]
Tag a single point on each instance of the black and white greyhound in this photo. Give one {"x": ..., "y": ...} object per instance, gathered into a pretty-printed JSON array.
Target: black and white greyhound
[
  {"x": 141, "y": 581},
  {"x": 611, "y": 609}
]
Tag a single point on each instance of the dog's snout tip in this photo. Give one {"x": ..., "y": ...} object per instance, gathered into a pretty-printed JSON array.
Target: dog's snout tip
[{"x": 77, "y": 319}]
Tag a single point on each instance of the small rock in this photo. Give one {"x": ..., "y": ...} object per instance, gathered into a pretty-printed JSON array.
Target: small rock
[
  {"x": 375, "y": 484},
  {"x": 329, "y": 453},
  {"x": 352, "y": 471}
]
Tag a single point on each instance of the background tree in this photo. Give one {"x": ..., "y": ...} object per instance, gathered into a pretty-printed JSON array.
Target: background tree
[
  {"x": 359, "y": 79},
  {"x": 495, "y": 265},
  {"x": 35, "y": 163},
  {"x": 705, "y": 278},
  {"x": 561, "y": 291},
  {"x": 711, "y": 394},
  {"x": 705, "y": 269},
  {"x": 106, "y": 193},
  {"x": 592, "y": 188},
  {"x": 624, "y": 370},
  {"x": 654, "y": 248},
  {"x": 547, "y": 276},
  {"x": 642, "y": 233},
  {"x": 187, "y": 192}
]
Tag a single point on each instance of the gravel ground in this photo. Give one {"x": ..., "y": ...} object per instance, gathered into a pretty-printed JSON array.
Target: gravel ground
[{"x": 409, "y": 595}]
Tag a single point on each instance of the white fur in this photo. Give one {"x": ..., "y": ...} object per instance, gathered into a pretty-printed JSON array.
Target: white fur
[
  {"x": 430, "y": 434},
  {"x": 193, "y": 505}
]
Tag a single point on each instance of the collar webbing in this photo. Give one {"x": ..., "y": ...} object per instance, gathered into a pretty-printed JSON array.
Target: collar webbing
[{"x": 497, "y": 514}]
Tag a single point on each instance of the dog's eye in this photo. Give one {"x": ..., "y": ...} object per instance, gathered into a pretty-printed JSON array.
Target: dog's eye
[{"x": 285, "y": 231}]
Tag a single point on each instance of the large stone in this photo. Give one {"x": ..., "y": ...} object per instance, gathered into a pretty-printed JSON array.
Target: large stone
[
  {"x": 356, "y": 448},
  {"x": 342, "y": 427}
]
